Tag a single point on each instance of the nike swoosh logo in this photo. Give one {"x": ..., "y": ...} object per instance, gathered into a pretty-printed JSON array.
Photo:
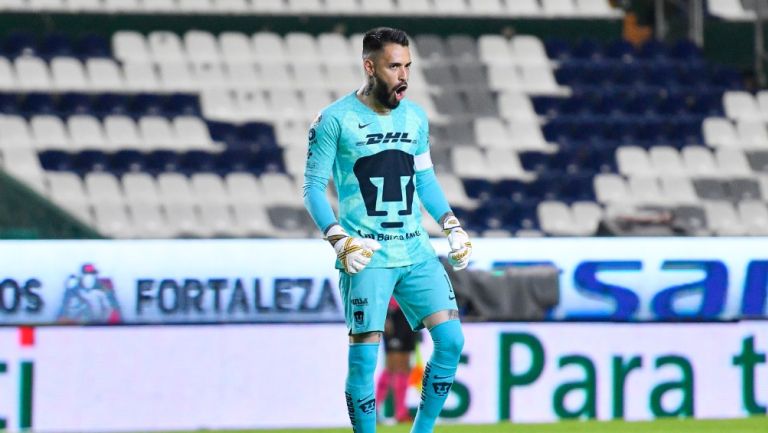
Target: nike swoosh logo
[
  {"x": 451, "y": 298},
  {"x": 361, "y": 126},
  {"x": 364, "y": 398}
]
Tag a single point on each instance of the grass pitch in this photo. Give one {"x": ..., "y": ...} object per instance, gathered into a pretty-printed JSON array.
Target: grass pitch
[{"x": 747, "y": 425}]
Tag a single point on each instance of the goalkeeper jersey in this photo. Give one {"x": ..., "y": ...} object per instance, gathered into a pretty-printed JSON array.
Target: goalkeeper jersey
[{"x": 374, "y": 159}]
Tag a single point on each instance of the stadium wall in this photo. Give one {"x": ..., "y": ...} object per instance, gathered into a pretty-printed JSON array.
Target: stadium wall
[
  {"x": 85, "y": 379},
  {"x": 243, "y": 280}
]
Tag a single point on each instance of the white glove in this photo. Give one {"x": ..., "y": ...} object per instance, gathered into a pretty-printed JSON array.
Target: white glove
[
  {"x": 461, "y": 247},
  {"x": 354, "y": 253}
]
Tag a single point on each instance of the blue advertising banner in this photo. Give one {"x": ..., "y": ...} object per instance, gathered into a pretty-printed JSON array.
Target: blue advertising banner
[{"x": 211, "y": 281}]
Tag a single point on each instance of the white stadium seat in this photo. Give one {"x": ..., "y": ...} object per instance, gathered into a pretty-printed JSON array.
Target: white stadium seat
[
  {"x": 68, "y": 74},
  {"x": 130, "y": 46},
  {"x": 32, "y": 73}
]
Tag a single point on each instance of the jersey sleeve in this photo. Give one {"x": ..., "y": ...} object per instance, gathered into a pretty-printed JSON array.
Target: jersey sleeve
[
  {"x": 427, "y": 186},
  {"x": 322, "y": 142}
]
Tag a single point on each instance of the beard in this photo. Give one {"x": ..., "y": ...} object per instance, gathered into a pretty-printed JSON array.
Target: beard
[{"x": 383, "y": 95}]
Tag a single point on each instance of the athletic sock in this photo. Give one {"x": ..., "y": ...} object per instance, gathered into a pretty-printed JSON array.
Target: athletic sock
[
  {"x": 439, "y": 374},
  {"x": 359, "y": 392},
  {"x": 400, "y": 387}
]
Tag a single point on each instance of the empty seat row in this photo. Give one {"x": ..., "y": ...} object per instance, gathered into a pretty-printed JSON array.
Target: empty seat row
[
  {"x": 136, "y": 105},
  {"x": 200, "y": 188},
  {"x": 741, "y": 105},
  {"x": 508, "y": 8},
  {"x": 612, "y": 188},
  {"x": 579, "y": 219},
  {"x": 692, "y": 161},
  {"x": 622, "y": 50},
  {"x": 114, "y": 133},
  {"x": 50, "y": 45},
  {"x": 746, "y": 133},
  {"x": 257, "y": 161},
  {"x": 69, "y": 74}
]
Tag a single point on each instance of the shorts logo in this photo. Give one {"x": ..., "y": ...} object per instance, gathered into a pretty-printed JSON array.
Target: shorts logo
[
  {"x": 359, "y": 302},
  {"x": 359, "y": 316}
]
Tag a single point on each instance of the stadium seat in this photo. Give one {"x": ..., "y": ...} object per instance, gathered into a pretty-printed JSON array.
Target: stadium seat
[
  {"x": 665, "y": 160},
  {"x": 103, "y": 188},
  {"x": 678, "y": 190},
  {"x": 723, "y": 220},
  {"x": 148, "y": 221},
  {"x": 740, "y": 105},
  {"x": 103, "y": 75},
  {"x": 730, "y": 10},
  {"x": 699, "y": 162},
  {"x": 183, "y": 219},
  {"x": 68, "y": 74},
  {"x": 15, "y": 133},
  {"x": 719, "y": 132},
  {"x": 754, "y": 216},
  {"x": 752, "y": 134},
  {"x": 268, "y": 47},
  {"x": 85, "y": 132},
  {"x": 32, "y": 73},
  {"x": 611, "y": 188},
  {"x": 49, "y": 132},
  {"x": 732, "y": 162},
  {"x": 524, "y": 8}
]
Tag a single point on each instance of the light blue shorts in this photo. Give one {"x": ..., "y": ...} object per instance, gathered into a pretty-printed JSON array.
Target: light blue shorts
[{"x": 421, "y": 289}]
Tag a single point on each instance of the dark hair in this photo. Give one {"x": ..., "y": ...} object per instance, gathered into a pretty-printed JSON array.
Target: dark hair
[{"x": 375, "y": 39}]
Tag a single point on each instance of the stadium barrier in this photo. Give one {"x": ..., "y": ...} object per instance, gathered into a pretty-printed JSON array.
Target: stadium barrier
[
  {"x": 86, "y": 379},
  {"x": 217, "y": 281}
]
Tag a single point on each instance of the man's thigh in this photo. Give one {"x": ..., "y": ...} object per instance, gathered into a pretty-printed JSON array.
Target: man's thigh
[
  {"x": 424, "y": 289},
  {"x": 366, "y": 297}
]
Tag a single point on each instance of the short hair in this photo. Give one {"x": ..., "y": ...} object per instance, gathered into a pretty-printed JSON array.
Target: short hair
[{"x": 375, "y": 39}]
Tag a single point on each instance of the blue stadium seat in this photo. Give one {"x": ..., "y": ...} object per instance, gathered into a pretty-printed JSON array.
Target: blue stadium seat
[
  {"x": 161, "y": 161},
  {"x": 9, "y": 103},
  {"x": 196, "y": 161},
  {"x": 74, "y": 103},
  {"x": 20, "y": 42},
  {"x": 557, "y": 49},
  {"x": 256, "y": 135},
  {"x": 92, "y": 45},
  {"x": 88, "y": 161},
  {"x": 54, "y": 45},
  {"x": 127, "y": 161},
  {"x": 107, "y": 104},
  {"x": 480, "y": 189},
  {"x": 510, "y": 189},
  {"x": 534, "y": 161},
  {"x": 147, "y": 104},
  {"x": 38, "y": 103},
  {"x": 236, "y": 160},
  {"x": 685, "y": 49},
  {"x": 620, "y": 50},
  {"x": 271, "y": 160},
  {"x": 182, "y": 104},
  {"x": 586, "y": 49},
  {"x": 223, "y": 132},
  {"x": 55, "y": 160}
]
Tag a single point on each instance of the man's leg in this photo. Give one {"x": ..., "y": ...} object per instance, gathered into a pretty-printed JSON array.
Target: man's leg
[
  {"x": 359, "y": 389},
  {"x": 365, "y": 296},
  {"x": 445, "y": 328}
]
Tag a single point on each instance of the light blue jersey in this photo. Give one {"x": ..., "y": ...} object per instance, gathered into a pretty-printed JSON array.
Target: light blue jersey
[{"x": 374, "y": 160}]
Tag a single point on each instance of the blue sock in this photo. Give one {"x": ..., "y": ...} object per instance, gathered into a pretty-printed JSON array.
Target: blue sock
[
  {"x": 439, "y": 374},
  {"x": 361, "y": 401}
]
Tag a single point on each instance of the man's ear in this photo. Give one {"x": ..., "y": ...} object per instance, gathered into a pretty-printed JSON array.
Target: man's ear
[{"x": 368, "y": 66}]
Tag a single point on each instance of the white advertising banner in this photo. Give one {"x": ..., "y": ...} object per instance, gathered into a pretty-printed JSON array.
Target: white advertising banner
[
  {"x": 84, "y": 379},
  {"x": 196, "y": 281}
]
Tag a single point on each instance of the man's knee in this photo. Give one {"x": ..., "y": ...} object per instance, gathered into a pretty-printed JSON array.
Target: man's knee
[
  {"x": 449, "y": 341},
  {"x": 365, "y": 337}
]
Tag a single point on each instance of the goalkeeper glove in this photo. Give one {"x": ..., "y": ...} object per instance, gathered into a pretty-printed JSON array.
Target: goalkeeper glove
[
  {"x": 461, "y": 247},
  {"x": 353, "y": 253}
]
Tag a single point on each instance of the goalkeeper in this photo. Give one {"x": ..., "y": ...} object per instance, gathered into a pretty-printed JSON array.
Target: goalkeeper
[{"x": 376, "y": 145}]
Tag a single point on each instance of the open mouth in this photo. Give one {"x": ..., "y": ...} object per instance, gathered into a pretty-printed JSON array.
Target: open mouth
[{"x": 400, "y": 91}]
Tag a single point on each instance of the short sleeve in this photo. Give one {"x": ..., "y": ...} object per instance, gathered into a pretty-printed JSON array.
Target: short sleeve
[{"x": 322, "y": 143}]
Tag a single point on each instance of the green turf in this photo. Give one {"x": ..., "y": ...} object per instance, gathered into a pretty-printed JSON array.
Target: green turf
[{"x": 748, "y": 425}]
